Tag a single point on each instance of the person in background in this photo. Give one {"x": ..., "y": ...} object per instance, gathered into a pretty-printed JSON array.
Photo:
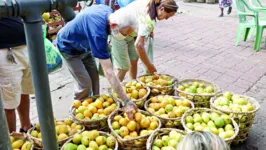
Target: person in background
[
  {"x": 223, "y": 4},
  {"x": 128, "y": 49},
  {"x": 202, "y": 141},
  {"x": 15, "y": 75},
  {"x": 85, "y": 38}
]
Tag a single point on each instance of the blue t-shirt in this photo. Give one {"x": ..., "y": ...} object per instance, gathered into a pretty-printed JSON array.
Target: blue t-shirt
[{"x": 88, "y": 31}]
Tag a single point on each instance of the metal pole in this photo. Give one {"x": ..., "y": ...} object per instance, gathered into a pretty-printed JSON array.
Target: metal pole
[
  {"x": 4, "y": 131},
  {"x": 35, "y": 43}
]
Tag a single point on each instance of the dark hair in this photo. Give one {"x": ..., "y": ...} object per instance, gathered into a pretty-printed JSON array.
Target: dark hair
[{"x": 169, "y": 6}]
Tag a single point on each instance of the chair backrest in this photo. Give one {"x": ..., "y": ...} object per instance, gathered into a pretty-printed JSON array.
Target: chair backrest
[
  {"x": 256, "y": 3},
  {"x": 242, "y": 7}
]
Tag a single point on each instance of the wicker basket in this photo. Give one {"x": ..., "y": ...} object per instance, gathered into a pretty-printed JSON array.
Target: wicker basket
[
  {"x": 101, "y": 134},
  {"x": 246, "y": 117},
  {"x": 159, "y": 133},
  {"x": 139, "y": 102},
  {"x": 100, "y": 124},
  {"x": 168, "y": 122},
  {"x": 23, "y": 137},
  {"x": 166, "y": 90},
  {"x": 199, "y": 100},
  {"x": 199, "y": 110},
  {"x": 38, "y": 142},
  {"x": 138, "y": 143}
]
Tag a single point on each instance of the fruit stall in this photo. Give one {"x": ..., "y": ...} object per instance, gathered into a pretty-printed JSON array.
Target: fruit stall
[{"x": 168, "y": 108}]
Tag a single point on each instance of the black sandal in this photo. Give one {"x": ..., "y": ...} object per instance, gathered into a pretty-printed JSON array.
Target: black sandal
[
  {"x": 221, "y": 15},
  {"x": 21, "y": 130}
]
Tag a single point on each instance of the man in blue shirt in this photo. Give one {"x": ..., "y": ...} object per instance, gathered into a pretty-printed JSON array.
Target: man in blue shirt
[
  {"x": 15, "y": 75},
  {"x": 85, "y": 38}
]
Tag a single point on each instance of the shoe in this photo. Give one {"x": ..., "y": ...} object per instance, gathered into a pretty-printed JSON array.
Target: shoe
[
  {"x": 21, "y": 130},
  {"x": 221, "y": 15},
  {"x": 229, "y": 10}
]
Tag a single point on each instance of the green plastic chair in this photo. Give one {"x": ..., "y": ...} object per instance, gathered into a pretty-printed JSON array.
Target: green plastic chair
[
  {"x": 244, "y": 25},
  {"x": 258, "y": 23}
]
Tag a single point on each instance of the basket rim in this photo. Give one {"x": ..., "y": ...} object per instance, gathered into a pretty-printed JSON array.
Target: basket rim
[
  {"x": 195, "y": 94},
  {"x": 175, "y": 97},
  {"x": 255, "y": 104},
  {"x": 72, "y": 111},
  {"x": 40, "y": 140},
  {"x": 101, "y": 132},
  {"x": 110, "y": 91},
  {"x": 150, "y": 140},
  {"x": 131, "y": 139},
  {"x": 236, "y": 127},
  {"x": 175, "y": 81}
]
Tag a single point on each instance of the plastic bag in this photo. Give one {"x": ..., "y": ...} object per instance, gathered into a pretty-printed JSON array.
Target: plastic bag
[
  {"x": 123, "y": 3},
  {"x": 149, "y": 50},
  {"x": 53, "y": 57}
]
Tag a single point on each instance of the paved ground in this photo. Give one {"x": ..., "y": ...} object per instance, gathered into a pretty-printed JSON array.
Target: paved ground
[{"x": 195, "y": 44}]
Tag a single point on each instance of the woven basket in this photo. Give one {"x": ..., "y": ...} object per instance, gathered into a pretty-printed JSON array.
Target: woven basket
[
  {"x": 199, "y": 100},
  {"x": 139, "y": 102},
  {"x": 159, "y": 133},
  {"x": 138, "y": 143},
  {"x": 166, "y": 90},
  {"x": 38, "y": 142},
  {"x": 100, "y": 124},
  {"x": 23, "y": 137},
  {"x": 199, "y": 110},
  {"x": 168, "y": 122},
  {"x": 101, "y": 134},
  {"x": 246, "y": 117}
]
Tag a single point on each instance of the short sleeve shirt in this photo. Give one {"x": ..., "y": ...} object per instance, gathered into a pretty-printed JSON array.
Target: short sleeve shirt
[
  {"x": 139, "y": 9},
  {"x": 88, "y": 31}
]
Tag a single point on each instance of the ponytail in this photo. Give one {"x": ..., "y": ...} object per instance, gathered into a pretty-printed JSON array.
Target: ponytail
[{"x": 152, "y": 8}]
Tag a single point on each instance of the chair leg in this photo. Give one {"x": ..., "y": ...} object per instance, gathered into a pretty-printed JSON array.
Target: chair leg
[
  {"x": 238, "y": 34},
  {"x": 258, "y": 38},
  {"x": 246, "y": 33}
]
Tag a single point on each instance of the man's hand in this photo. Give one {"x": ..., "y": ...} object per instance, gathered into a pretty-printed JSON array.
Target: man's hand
[{"x": 130, "y": 108}]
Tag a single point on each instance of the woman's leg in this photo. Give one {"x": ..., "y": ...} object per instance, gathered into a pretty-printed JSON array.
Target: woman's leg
[
  {"x": 222, "y": 12},
  {"x": 133, "y": 59}
]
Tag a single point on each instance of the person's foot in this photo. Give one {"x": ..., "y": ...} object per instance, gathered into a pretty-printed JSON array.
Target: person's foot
[
  {"x": 221, "y": 15},
  {"x": 229, "y": 10},
  {"x": 21, "y": 130}
]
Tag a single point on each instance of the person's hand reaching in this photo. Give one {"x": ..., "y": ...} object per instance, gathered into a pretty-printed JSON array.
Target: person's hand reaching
[{"x": 130, "y": 108}]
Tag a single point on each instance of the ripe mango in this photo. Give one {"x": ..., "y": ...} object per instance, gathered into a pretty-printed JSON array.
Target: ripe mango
[
  {"x": 17, "y": 144},
  {"x": 26, "y": 146}
]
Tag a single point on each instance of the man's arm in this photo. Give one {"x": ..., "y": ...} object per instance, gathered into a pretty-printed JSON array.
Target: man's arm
[{"x": 112, "y": 78}]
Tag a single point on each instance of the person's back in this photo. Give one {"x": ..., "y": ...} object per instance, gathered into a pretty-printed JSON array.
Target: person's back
[
  {"x": 82, "y": 29},
  {"x": 202, "y": 141}
]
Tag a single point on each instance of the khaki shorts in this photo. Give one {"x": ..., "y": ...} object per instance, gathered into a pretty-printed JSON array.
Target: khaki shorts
[
  {"x": 15, "y": 78},
  {"x": 122, "y": 52}
]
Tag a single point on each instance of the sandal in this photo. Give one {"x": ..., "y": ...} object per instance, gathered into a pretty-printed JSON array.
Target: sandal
[
  {"x": 21, "y": 130},
  {"x": 229, "y": 10}
]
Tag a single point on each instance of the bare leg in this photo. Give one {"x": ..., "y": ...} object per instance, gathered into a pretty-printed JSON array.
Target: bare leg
[
  {"x": 133, "y": 70},
  {"x": 121, "y": 74},
  {"x": 24, "y": 112},
  {"x": 11, "y": 119}
]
